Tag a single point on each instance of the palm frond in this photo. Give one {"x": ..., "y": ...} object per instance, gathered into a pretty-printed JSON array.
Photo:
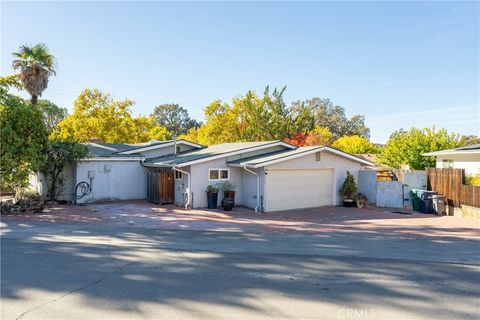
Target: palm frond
[{"x": 38, "y": 54}]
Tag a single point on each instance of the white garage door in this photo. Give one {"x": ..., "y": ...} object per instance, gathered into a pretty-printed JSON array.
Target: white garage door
[{"x": 293, "y": 189}]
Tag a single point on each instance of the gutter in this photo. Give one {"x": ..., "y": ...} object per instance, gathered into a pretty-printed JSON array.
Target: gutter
[
  {"x": 189, "y": 179},
  {"x": 257, "y": 208}
]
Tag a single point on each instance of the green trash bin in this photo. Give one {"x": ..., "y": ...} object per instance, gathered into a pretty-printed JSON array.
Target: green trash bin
[{"x": 415, "y": 199}]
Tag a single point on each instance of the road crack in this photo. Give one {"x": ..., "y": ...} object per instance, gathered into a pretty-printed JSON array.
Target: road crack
[{"x": 90, "y": 284}]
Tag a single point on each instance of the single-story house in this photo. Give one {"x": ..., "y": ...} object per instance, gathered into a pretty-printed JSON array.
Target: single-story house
[
  {"x": 467, "y": 157},
  {"x": 268, "y": 175},
  {"x": 114, "y": 171}
]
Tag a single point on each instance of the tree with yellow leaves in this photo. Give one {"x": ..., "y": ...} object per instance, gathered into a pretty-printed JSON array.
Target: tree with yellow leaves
[{"x": 97, "y": 115}]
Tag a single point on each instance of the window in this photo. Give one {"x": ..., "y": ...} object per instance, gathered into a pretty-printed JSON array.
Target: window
[
  {"x": 447, "y": 163},
  {"x": 178, "y": 175},
  {"x": 218, "y": 174}
]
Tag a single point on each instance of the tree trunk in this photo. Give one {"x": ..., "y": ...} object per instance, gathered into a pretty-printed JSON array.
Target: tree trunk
[
  {"x": 34, "y": 100},
  {"x": 53, "y": 189}
]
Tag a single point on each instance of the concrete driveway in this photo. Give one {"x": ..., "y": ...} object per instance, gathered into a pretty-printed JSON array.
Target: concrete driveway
[
  {"x": 133, "y": 260},
  {"x": 370, "y": 221}
]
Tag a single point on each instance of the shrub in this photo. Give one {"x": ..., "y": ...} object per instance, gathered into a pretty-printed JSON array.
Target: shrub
[
  {"x": 227, "y": 186},
  {"x": 349, "y": 187},
  {"x": 212, "y": 189},
  {"x": 473, "y": 181}
]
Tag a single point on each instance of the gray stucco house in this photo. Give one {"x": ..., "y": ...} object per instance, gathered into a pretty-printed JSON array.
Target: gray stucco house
[{"x": 269, "y": 175}]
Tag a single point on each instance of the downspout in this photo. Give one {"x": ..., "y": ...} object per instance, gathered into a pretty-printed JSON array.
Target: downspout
[
  {"x": 189, "y": 179},
  {"x": 257, "y": 208}
]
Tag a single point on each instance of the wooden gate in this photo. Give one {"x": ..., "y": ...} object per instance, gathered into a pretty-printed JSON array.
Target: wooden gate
[{"x": 161, "y": 187}]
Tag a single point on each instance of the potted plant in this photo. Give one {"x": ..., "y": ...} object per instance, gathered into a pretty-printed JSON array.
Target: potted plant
[
  {"x": 348, "y": 190},
  {"x": 360, "y": 200},
  {"x": 228, "y": 195},
  {"x": 212, "y": 197}
]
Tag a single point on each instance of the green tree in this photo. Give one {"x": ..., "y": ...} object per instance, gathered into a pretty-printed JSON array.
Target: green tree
[
  {"x": 97, "y": 115},
  {"x": 252, "y": 118},
  {"x": 326, "y": 114},
  {"x": 468, "y": 140},
  {"x": 59, "y": 154},
  {"x": 355, "y": 145},
  {"x": 408, "y": 147},
  {"x": 52, "y": 114},
  {"x": 174, "y": 118},
  {"x": 36, "y": 65},
  {"x": 23, "y": 138}
]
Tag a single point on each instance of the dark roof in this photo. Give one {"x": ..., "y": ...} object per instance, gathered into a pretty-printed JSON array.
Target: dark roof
[
  {"x": 219, "y": 149},
  {"x": 271, "y": 156},
  {"x": 470, "y": 147},
  {"x": 109, "y": 149},
  {"x": 261, "y": 159},
  {"x": 156, "y": 143}
]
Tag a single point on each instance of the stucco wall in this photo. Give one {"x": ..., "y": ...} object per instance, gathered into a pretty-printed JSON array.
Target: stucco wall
[
  {"x": 249, "y": 187},
  {"x": 413, "y": 180},
  {"x": 367, "y": 184},
  {"x": 389, "y": 194},
  {"x": 125, "y": 180},
  {"x": 327, "y": 160},
  {"x": 469, "y": 162},
  {"x": 200, "y": 179},
  {"x": 180, "y": 188},
  {"x": 39, "y": 183}
]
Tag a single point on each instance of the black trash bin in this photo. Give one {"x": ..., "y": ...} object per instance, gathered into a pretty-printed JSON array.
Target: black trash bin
[
  {"x": 439, "y": 205},
  {"x": 426, "y": 200}
]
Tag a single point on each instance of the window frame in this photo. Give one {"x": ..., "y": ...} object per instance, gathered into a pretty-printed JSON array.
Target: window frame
[
  {"x": 219, "y": 170},
  {"x": 447, "y": 163},
  {"x": 176, "y": 175}
]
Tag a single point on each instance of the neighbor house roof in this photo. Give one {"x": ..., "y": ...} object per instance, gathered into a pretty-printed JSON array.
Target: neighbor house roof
[
  {"x": 280, "y": 156},
  {"x": 473, "y": 148},
  {"x": 213, "y": 152}
]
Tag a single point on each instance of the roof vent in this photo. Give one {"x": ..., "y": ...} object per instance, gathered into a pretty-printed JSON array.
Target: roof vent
[
  {"x": 153, "y": 141},
  {"x": 95, "y": 140}
]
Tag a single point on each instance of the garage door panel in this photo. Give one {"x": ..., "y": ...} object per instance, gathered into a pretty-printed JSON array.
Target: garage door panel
[{"x": 292, "y": 189}]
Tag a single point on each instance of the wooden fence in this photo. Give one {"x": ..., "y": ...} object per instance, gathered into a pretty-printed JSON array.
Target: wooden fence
[{"x": 451, "y": 183}]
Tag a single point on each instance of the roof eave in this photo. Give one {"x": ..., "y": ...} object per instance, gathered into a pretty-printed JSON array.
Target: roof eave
[{"x": 228, "y": 154}]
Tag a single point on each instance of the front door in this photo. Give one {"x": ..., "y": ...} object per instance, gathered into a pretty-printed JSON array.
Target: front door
[{"x": 167, "y": 187}]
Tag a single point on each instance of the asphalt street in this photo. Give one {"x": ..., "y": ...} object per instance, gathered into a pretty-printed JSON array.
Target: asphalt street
[{"x": 105, "y": 272}]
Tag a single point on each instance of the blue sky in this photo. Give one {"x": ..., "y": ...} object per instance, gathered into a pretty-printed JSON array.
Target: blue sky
[{"x": 400, "y": 64}]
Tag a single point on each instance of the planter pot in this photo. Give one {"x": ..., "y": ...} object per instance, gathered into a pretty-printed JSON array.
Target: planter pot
[
  {"x": 229, "y": 195},
  {"x": 228, "y": 204},
  {"x": 348, "y": 202},
  {"x": 212, "y": 199},
  {"x": 360, "y": 203}
]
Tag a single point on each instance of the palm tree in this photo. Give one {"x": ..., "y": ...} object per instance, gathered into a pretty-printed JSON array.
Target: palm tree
[{"x": 36, "y": 65}]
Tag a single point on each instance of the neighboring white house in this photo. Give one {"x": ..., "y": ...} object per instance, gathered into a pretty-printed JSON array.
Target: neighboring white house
[
  {"x": 467, "y": 157},
  {"x": 269, "y": 175}
]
